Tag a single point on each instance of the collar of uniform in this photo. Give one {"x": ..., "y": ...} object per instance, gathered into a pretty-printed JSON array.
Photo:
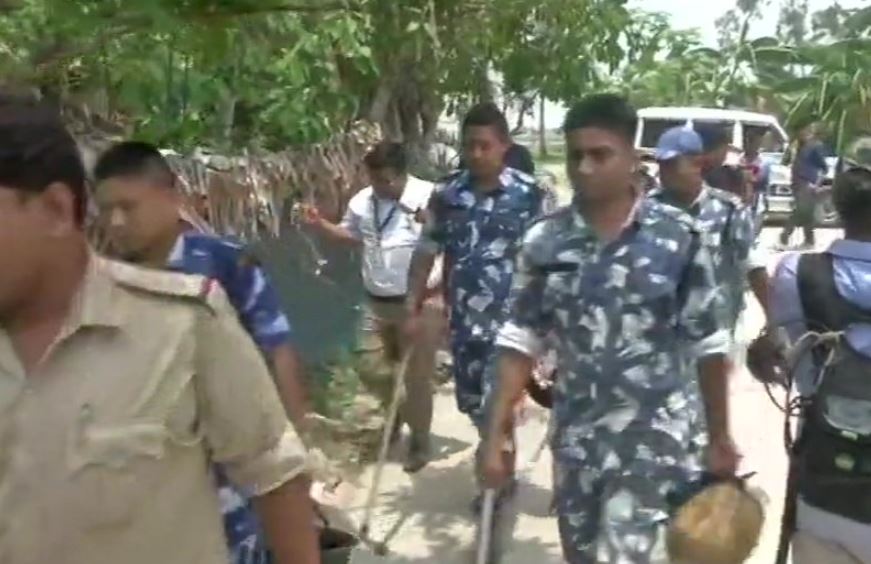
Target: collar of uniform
[
  {"x": 851, "y": 249},
  {"x": 463, "y": 183},
  {"x": 636, "y": 216},
  {"x": 95, "y": 304},
  {"x": 667, "y": 197}
]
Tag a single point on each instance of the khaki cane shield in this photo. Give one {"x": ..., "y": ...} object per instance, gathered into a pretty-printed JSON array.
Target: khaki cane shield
[{"x": 719, "y": 525}]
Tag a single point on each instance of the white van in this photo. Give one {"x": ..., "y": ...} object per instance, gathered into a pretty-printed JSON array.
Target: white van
[{"x": 653, "y": 122}]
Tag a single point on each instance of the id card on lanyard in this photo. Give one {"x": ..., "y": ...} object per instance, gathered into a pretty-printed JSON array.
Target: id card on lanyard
[{"x": 377, "y": 255}]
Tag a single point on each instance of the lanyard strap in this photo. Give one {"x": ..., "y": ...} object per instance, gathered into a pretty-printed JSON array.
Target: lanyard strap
[{"x": 381, "y": 225}]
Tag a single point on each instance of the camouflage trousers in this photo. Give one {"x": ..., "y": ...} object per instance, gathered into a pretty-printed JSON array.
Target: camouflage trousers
[
  {"x": 473, "y": 370},
  {"x": 614, "y": 510}
]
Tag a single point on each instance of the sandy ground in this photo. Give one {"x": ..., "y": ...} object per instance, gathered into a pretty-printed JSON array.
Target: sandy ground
[{"x": 427, "y": 517}]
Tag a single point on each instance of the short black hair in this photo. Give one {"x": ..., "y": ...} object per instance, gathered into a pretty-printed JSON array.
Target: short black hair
[
  {"x": 713, "y": 136},
  {"x": 133, "y": 158},
  {"x": 851, "y": 195},
  {"x": 387, "y": 154},
  {"x": 36, "y": 150},
  {"x": 733, "y": 179},
  {"x": 611, "y": 112},
  {"x": 487, "y": 114}
]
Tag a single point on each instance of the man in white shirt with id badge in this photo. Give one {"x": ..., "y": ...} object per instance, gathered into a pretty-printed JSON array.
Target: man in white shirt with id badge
[{"x": 386, "y": 220}]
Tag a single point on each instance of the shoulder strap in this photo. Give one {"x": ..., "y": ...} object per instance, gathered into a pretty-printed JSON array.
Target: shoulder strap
[
  {"x": 824, "y": 307},
  {"x": 728, "y": 227},
  {"x": 195, "y": 288}
]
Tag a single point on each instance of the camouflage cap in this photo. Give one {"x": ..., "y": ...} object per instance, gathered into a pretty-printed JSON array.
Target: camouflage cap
[{"x": 858, "y": 153}]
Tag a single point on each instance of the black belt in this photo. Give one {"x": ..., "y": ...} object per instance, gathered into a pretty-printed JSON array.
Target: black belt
[{"x": 387, "y": 299}]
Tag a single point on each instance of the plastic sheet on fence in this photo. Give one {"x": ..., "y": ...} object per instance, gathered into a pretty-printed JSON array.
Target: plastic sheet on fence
[{"x": 319, "y": 285}]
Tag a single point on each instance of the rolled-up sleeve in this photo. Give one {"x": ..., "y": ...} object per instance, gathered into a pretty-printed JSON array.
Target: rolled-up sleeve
[
  {"x": 702, "y": 307},
  {"x": 351, "y": 222},
  {"x": 242, "y": 419},
  {"x": 259, "y": 307},
  {"x": 526, "y": 322}
]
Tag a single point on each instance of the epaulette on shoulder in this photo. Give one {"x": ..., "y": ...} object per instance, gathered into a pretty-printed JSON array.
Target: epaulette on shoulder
[
  {"x": 192, "y": 287},
  {"x": 725, "y": 196}
]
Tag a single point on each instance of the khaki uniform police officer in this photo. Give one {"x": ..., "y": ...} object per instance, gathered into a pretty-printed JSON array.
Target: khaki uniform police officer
[{"x": 119, "y": 386}]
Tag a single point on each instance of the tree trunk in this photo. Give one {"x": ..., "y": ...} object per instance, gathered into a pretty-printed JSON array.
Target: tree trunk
[
  {"x": 485, "y": 86},
  {"x": 227, "y": 118},
  {"x": 526, "y": 104},
  {"x": 381, "y": 100},
  {"x": 542, "y": 131},
  {"x": 430, "y": 111}
]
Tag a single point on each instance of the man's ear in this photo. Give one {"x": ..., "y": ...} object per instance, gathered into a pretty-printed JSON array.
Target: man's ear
[{"x": 60, "y": 209}]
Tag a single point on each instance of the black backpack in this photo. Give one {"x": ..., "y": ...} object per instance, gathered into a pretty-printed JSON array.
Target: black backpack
[{"x": 833, "y": 453}]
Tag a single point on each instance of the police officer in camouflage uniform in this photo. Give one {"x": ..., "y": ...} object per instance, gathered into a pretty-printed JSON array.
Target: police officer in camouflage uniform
[
  {"x": 726, "y": 224},
  {"x": 477, "y": 218},
  {"x": 624, "y": 288}
]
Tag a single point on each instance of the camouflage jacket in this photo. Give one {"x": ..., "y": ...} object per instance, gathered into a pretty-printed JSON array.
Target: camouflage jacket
[
  {"x": 626, "y": 318},
  {"x": 728, "y": 231},
  {"x": 480, "y": 237}
]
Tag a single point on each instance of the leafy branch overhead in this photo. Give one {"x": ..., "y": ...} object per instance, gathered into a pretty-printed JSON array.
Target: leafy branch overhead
[{"x": 274, "y": 73}]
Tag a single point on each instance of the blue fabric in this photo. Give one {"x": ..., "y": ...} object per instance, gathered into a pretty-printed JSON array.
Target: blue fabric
[
  {"x": 678, "y": 142},
  {"x": 628, "y": 319},
  {"x": 480, "y": 237},
  {"x": 246, "y": 284},
  {"x": 852, "y": 265},
  {"x": 729, "y": 232},
  {"x": 249, "y": 291},
  {"x": 809, "y": 164},
  {"x": 473, "y": 367}
]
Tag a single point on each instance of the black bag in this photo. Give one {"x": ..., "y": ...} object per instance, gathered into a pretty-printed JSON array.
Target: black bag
[{"x": 833, "y": 453}]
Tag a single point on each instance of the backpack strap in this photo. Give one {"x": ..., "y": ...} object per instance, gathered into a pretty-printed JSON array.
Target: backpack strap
[
  {"x": 816, "y": 288},
  {"x": 824, "y": 307}
]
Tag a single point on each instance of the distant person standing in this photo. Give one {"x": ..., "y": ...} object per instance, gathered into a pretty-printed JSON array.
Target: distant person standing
[
  {"x": 715, "y": 144},
  {"x": 808, "y": 165},
  {"x": 759, "y": 175}
]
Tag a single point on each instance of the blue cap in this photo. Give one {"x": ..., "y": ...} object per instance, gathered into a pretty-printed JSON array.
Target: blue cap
[{"x": 678, "y": 142}]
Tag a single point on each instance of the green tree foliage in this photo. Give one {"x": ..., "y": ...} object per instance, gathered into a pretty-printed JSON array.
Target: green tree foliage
[
  {"x": 194, "y": 71},
  {"x": 278, "y": 72}
]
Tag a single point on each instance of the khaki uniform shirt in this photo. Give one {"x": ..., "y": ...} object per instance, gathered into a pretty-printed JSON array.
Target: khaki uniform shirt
[{"x": 105, "y": 448}]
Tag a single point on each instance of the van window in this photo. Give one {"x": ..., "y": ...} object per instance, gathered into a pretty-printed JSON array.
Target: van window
[
  {"x": 772, "y": 140},
  {"x": 728, "y": 127},
  {"x": 653, "y": 128}
]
